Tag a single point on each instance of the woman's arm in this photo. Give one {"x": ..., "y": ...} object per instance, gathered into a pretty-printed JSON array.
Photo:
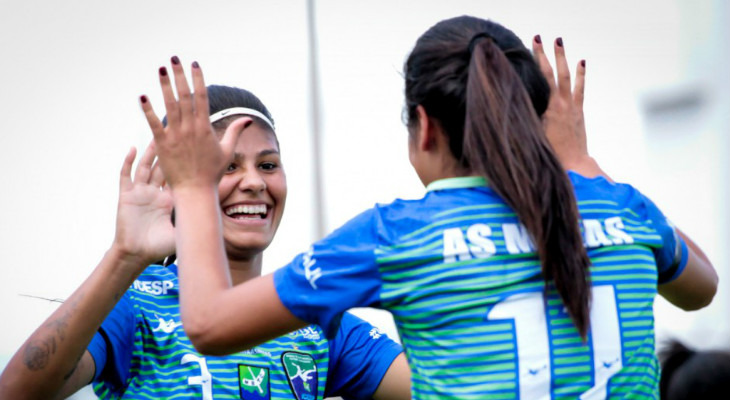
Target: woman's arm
[
  {"x": 53, "y": 361},
  {"x": 565, "y": 128},
  {"x": 396, "y": 384},
  {"x": 220, "y": 319},
  {"x": 697, "y": 285}
]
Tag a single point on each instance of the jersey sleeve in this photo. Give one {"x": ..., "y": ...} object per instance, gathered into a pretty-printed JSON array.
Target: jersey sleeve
[
  {"x": 337, "y": 273},
  {"x": 673, "y": 255},
  {"x": 360, "y": 355},
  {"x": 111, "y": 346}
]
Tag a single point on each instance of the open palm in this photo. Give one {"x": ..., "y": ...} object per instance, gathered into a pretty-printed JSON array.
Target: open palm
[{"x": 144, "y": 229}]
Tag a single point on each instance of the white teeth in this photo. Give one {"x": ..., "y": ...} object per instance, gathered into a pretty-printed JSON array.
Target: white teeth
[{"x": 259, "y": 209}]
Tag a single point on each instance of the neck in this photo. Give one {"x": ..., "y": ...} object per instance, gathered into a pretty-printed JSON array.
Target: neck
[
  {"x": 243, "y": 270},
  {"x": 446, "y": 167}
]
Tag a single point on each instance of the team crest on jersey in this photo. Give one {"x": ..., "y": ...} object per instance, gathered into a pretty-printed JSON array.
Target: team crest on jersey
[
  {"x": 301, "y": 370},
  {"x": 254, "y": 382}
]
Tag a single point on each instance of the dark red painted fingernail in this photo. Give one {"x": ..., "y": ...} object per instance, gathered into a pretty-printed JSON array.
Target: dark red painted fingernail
[
  {"x": 143, "y": 99},
  {"x": 195, "y": 64},
  {"x": 163, "y": 71},
  {"x": 559, "y": 41},
  {"x": 175, "y": 60},
  {"x": 538, "y": 39},
  {"x": 583, "y": 63}
]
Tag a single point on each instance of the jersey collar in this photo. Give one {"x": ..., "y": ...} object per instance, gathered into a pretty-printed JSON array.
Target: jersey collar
[{"x": 462, "y": 182}]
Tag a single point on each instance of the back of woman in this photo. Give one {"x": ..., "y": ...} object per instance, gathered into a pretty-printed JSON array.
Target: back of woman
[
  {"x": 465, "y": 286},
  {"x": 488, "y": 276}
]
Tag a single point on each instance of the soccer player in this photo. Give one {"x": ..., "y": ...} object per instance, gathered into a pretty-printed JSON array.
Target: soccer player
[
  {"x": 121, "y": 329},
  {"x": 510, "y": 278}
]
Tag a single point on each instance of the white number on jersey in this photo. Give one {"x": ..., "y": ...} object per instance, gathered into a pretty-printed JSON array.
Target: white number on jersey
[
  {"x": 204, "y": 379},
  {"x": 527, "y": 310}
]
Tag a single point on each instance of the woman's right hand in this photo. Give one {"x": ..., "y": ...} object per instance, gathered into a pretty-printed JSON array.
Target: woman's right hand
[
  {"x": 144, "y": 231},
  {"x": 563, "y": 120}
]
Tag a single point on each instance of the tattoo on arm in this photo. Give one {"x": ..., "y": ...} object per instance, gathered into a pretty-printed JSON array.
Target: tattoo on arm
[{"x": 39, "y": 351}]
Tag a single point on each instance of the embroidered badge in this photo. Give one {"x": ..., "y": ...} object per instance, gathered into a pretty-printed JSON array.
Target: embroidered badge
[
  {"x": 254, "y": 382},
  {"x": 301, "y": 370}
]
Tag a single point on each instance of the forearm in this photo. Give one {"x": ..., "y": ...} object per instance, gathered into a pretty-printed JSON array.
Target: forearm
[
  {"x": 218, "y": 318},
  {"x": 202, "y": 261},
  {"x": 49, "y": 357}
]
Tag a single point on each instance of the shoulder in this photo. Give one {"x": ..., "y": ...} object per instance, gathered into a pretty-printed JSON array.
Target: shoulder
[{"x": 597, "y": 190}]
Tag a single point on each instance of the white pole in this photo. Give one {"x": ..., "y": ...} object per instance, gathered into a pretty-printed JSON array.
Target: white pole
[{"x": 314, "y": 101}]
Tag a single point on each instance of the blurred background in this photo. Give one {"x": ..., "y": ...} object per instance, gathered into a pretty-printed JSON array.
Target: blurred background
[{"x": 657, "y": 110}]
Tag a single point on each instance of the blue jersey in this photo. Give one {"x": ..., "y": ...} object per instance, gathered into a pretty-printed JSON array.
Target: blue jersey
[
  {"x": 141, "y": 352},
  {"x": 461, "y": 277}
]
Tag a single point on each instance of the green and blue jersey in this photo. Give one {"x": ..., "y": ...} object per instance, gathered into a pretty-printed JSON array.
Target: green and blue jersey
[
  {"x": 461, "y": 277},
  {"x": 141, "y": 352}
]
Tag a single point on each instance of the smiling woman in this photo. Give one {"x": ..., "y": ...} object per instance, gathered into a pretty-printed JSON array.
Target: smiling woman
[{"x": 121, "y": 329}]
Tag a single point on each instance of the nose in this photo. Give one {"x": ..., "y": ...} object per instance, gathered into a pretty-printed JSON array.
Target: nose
[{"x": 252, "y": 181}]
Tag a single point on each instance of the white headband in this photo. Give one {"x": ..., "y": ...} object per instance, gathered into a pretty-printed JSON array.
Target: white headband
[{"x": 240, "y": 111}]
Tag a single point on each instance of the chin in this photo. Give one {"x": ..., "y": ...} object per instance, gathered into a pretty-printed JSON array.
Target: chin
[{"x": 251, "y": 244}]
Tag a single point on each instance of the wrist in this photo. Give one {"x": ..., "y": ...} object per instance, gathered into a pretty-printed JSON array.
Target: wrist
[
  {"x": 125, "y": 260},
  {"x": 194, "y": 194}
]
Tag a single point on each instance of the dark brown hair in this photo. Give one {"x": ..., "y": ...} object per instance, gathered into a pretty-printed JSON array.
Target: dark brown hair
[{"x": 487, "y": 96}]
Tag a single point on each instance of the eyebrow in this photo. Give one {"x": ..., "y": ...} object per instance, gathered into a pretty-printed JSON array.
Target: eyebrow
[{"x": 261, "y": 153}]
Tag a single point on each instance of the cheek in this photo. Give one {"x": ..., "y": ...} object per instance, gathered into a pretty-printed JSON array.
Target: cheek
[
  {"x": 277, "y": 189},
  {"x": 226, "y": 186}
]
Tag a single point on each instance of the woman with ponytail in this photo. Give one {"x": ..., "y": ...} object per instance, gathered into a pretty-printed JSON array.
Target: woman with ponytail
[{"x": 510, "y": 278}]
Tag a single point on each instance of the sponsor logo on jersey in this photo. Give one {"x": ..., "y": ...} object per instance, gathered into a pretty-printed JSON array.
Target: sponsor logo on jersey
[
  {"x": 307, "y": 333},
  {"x": 256, "y": 350},
  {"x": 254, "y": 382},
  {"x": 153, "y": 287},
  {"x": 167, "y": 326},
  {"x": 301, "y": 371}
]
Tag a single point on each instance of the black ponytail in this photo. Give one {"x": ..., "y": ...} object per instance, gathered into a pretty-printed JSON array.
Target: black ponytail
[{"x": 480, "y": 82}]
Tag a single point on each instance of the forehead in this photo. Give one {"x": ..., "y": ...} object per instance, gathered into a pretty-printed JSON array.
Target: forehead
[{"x": 255, "y": 139}]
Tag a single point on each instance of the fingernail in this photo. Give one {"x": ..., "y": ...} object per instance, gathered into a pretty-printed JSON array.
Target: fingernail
[
  {"x": 538, "y": 39},
  {"x": 143, "y": 99},
  {"x": 195, "y": 64},
  {"x": 175, "y": 60},
  {"x": 583, "y": 63},
  {"x": 559, "y": 41},
  {"x": 163, "y": 71}
]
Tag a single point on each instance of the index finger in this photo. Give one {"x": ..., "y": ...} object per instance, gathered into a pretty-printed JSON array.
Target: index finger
[{"x": 539, "y": 53}]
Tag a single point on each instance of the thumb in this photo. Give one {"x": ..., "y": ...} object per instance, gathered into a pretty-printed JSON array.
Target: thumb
[{"x": 231, "y": 135}]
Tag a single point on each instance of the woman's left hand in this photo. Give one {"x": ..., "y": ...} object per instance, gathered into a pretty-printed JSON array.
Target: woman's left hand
[{"x": 187, "y": 148}]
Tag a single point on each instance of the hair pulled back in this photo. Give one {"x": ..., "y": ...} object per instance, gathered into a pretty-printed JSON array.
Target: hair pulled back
[
  {"x": 487, "y": 95},
  {"x": 222, "y": 97}
]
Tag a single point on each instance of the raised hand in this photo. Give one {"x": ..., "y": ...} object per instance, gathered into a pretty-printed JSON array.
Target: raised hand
[
  {"x": 189, "y": 151},
  {"x": 563, "y": 120},
  {"x": 144, "y": 230}
]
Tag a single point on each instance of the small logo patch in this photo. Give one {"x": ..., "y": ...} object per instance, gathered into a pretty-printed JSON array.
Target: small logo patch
[
  {"x": 301, "y": 370},
  {"x": 254, "y": 382}
]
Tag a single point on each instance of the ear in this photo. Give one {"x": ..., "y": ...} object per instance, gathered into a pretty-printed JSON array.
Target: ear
[{"x": 425, "y": 138}]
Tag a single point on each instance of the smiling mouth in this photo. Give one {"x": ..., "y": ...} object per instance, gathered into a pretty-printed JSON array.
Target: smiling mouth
[{"x": 247, "y": 211}]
